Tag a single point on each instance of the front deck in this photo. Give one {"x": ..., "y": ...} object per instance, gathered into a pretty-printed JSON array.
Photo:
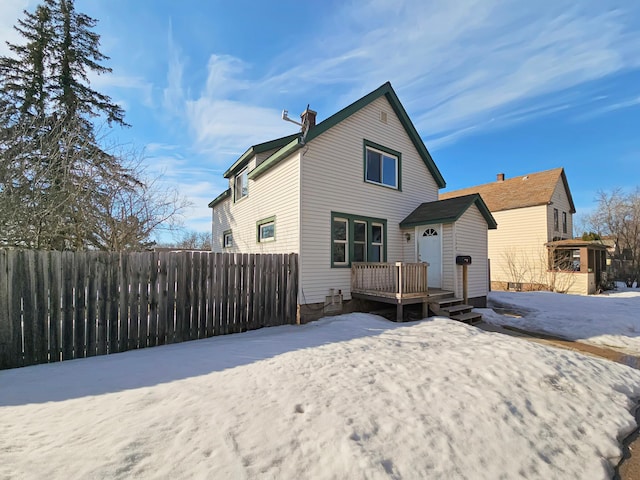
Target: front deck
[{"x": 396, "y": 283}]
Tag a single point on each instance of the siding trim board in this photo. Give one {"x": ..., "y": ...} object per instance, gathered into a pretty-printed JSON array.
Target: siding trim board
[{"x": 276, "y": 158}]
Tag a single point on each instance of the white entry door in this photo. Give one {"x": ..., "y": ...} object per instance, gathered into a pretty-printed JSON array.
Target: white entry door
[{"x": 430, "y": 251}]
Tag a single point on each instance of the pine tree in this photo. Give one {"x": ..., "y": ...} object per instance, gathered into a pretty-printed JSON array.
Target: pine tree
[{"x": 57, "y": 182}]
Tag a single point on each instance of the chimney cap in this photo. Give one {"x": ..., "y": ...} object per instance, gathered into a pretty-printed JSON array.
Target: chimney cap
[{"x": 500, "y": 177}]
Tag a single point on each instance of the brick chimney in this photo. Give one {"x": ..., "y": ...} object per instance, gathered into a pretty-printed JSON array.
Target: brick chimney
[
  {"x": 500, "y": 177},
  {"x": 308, "y": 117}
]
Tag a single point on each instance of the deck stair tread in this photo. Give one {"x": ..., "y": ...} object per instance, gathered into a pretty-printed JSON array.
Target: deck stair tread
[
  {"x": 446, "y": 301},
  {"x": 453, "y": 309},
  {"x": 469, "y": 317}
]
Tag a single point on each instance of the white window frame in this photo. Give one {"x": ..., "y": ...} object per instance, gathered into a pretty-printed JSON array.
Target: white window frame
[
  {"x": 241, "y": 185},
  {"x": 383, "y": 154},
  {"x": 381, "y": 242},
  {"x": 345, "y": 242}
]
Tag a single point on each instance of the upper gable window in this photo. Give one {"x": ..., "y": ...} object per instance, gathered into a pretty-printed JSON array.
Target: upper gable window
[
  {"x": 564, "y": 222},
  {"x": 381, "y": 165},
  {"x": 241, "y": 185},
  {"x": 555, "y": 220}
]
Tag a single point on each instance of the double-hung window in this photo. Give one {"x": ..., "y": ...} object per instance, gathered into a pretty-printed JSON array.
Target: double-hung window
[
  {"x": 381, "y": 165},
  {"x": 357, "y": 239},
  {"x": 555, "y": 220},
  {"x": 241, "y": 185},
  {"x": 564, "y": 222}
]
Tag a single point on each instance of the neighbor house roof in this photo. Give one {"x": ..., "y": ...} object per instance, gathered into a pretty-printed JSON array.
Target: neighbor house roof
[
  {"x": 287, "y": 145},
  {"x": 577, "y": 243},
  {"x": 447, "y": 211},
  {"x": 518, "y": 192}
]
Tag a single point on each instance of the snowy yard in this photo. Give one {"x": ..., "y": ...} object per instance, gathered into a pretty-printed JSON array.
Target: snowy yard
[
  {"x": 353, "y": 396},
  {"x": 610, "y": 320}
]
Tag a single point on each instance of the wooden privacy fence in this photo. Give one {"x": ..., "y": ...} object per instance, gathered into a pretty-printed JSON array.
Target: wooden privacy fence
[{"x": 63, "y": 305}]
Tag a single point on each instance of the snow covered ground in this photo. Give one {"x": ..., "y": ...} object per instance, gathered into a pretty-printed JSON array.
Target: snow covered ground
[
  {"x": 353, "y": 396},
  {"x": 611, "y": 319}
]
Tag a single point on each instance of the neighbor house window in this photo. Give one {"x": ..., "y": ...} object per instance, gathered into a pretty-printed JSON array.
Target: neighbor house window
[
  {"x": 266, "y": 230},
  {"x": 381, "y": 165},
  {"x": 227, "y": 239},
  {"x": 555, "y": 220},
  {"x": 241, "y": 189},
  {"x": 564, "y": 222},
  {"x": 357, "y": 239}
]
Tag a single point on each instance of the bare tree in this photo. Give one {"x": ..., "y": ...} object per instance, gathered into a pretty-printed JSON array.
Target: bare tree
[
  {"x": 54, "y": 196},
  {"x": 618, "y": 216},
  {"x": 192, "y": 240}
]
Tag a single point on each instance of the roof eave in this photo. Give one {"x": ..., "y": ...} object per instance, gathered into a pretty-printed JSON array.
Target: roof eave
[{"x": 223, "y": 196}]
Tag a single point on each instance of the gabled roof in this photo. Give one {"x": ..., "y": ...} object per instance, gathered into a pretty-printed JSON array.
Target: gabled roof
[
  {"x": 447, "y": 211},
  {"x": 288, "y": 145},
  {"x": 518, "y": 192}
]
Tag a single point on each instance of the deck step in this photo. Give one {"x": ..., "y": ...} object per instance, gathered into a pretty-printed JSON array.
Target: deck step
[
  {"x": 455, "y": 309},
  {"x": 469, "y": 317},
  {"x": 443, "y": 302}
]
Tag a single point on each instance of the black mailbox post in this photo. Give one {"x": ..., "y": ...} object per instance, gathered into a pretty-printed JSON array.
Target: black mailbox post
[{"x": 463, "y": 260}]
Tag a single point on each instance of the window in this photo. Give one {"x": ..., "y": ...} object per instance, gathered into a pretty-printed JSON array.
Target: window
[
  {"x": 266, "y": 230},
  {"x": 227, "y": 239},
  {"x": 555, "y": 220},
  {"x": 381, "y": 165},
  {"x": 340, "y": 228},
  {"x": 377, "y": 242},
  {"x": 564, "y": 222},
  {"x": 241, "y": 189},
  {"x": 357, "y": 239}
]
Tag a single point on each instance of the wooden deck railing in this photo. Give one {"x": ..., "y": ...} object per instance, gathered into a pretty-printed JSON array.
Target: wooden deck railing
[{"x": 397, "y": 279}]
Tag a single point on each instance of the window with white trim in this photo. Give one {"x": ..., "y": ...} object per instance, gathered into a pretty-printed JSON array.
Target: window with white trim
[
  {"x": 377, "y": 242},
  {"x": 241, "y": 185},
  {"x": 382, "y": 165},
  {"x": 359, "y": 241},
  {"x": 340, "y": 234}
]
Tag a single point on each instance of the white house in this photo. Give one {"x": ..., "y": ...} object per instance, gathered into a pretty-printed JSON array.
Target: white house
[{"x": 358, "y": 187}]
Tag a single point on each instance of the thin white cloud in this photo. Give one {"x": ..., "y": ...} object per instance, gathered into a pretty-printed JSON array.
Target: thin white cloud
[
  {"x": 174, "y": 94},
  {"x": 458, "y": 64}
]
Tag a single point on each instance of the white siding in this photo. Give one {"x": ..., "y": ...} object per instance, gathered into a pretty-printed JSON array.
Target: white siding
[
  {"x": 516, "y": 248},
  {"x": 332, "y": 175},
  {"x": 275, "y": 193},
  {"x": 449, "y": 271},
  {"x": 471, "y": 239}
]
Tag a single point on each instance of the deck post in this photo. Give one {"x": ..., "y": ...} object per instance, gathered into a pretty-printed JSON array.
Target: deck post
[{"x": 399, "y": 313}]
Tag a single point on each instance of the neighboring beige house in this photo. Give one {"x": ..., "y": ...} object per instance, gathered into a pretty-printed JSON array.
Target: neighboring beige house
[
  {"x": 358, "y": 188},
  {"x": 531, "y": 211}
]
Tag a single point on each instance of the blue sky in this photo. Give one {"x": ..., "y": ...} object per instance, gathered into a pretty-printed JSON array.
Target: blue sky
[{"x": 491, "y": 85}]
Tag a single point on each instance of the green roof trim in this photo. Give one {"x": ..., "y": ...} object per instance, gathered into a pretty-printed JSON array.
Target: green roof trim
[
  {"x": 224, "y": 195},
  {"x": 448, "y": 211},
  {"x": 255, "y": 149},
  {"x": 276, "y": 158},
  {"x": 333, "y": 120}
]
